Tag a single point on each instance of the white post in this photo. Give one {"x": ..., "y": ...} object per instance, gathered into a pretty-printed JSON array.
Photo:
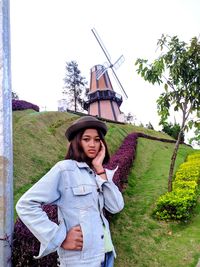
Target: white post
[{"x": 6, "y": 154}]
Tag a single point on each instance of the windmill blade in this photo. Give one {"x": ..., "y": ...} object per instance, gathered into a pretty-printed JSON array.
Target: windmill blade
[
  {"x": 102, "y": 45},
  {"x": 100, "y": 72},
  {"x": 120, "y": 85},
  {"x": 116, "y": 65},
  {"x": 119, "y": 62},
  {"x": 106, "y": 65}
]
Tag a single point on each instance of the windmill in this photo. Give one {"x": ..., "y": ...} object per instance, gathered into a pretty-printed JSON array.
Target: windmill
[{"x": 103, "y": 101}]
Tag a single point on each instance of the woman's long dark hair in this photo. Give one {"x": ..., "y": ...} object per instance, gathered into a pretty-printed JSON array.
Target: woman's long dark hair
[{"x": 75, "y": 150}]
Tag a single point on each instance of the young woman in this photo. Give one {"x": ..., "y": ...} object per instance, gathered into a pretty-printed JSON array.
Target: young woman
[{"x": 81, "y": 188}]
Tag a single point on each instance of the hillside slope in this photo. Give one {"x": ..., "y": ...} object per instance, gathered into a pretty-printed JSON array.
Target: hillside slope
[
  {"x": 140, "y": 241},
  {"x": 39, "y": 142}
]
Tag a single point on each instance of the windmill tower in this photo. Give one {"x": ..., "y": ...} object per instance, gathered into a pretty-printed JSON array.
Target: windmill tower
[{"x": 103, "y": 101}]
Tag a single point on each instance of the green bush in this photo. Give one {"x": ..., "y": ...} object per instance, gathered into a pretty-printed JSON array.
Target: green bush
[
  {"x": 173, "y": 131},
  {"x": 189, "y": 170},
  {"x": 178, "y": 184},
  {"x": 194, "y": 156},
  {"x": 176, "y": 205},
  {"x": 188, "y": 174}
]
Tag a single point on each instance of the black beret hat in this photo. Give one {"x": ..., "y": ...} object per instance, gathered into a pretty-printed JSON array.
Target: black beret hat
[{"x": 85, "y": 122}]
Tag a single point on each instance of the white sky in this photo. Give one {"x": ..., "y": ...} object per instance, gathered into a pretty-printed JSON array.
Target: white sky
[{"x": 45, "y": 34}]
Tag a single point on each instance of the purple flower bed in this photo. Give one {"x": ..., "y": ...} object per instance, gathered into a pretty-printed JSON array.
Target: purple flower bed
[
  {"x": 22, "y": 105},
  {"x": 156, "y": 138},
  {"x": 123, "y": 158},
  {"x": 25, "y": 245},
  {"x": 125, "y": 155}
]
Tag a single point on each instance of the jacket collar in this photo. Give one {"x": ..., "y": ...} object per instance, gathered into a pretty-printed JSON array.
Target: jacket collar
[{"x": 82, "y": 164}]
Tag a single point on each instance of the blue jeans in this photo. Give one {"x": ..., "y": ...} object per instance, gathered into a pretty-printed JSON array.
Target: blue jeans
[{"x": 109, "y": 260}]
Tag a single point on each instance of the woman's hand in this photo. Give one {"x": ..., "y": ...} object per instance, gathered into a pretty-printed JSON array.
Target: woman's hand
[
  {"x": 98, "y": 160},
  {"x": 74, "y": 239}
]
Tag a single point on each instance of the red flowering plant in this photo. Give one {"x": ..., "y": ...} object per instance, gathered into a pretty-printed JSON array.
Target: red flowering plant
[
  {"x": 123, "y": 158},
  {"x": 25, "y": 244},
  {"x": 143, "y": 135},
  {"x": 22, "y": 105}
]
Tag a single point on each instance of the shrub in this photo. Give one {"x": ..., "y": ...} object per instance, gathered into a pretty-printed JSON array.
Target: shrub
[
  {"x": 189, "y": 171},
  {"x": 123, "y": 158},
  {"x": 176, "y": 205},
  {"x": 25, "y": 245},
  {"x": 156, "y": 138},
  {"x": 185, "y": 185},
  {"x": 173, "y": 130},
  {"x": 22, "y": 105},
  {"x": 194, "y": 156}
]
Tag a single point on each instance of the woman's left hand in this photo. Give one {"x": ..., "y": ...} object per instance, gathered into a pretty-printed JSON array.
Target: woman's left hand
[{"x": 98, "y": 160}]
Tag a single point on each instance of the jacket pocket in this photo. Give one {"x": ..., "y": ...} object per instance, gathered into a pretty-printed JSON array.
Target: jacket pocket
[
  {"x": 83, "y": 196},
  {"x": 87, "y": 235}
]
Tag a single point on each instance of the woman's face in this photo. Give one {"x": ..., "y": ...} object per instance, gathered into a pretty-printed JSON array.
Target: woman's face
[{"x": 90, "y": 143}]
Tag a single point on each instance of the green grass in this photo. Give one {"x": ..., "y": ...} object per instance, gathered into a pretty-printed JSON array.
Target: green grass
[
  {"x": 139, "y": 239},
  {"x": 39, "y": 142}
]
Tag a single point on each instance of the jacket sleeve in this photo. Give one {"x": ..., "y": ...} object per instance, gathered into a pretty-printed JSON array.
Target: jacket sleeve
[
  {"x": 113, "y": 198},
  {"x": 45, "y": 191}
]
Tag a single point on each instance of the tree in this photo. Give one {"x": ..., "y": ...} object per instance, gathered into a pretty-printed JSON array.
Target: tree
[
  {"x": 178, "y": 68},
  {"x": 129, "y": 118},
  {"x": 173, "y": 130},
  {"x": 15, "y": 96},
  {"x": 75, "y": 84},
  {"x": 149, "y": 126},
  {"x": 196, "y": 139}
]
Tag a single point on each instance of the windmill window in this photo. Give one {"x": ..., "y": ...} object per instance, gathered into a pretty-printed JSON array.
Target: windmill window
[
  {"x": 105, "y": 93},
  {"x": 92, "y": 96}
]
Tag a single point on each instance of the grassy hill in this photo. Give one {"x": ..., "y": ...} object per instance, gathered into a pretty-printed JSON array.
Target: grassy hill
[
  {"x": 39, "y": 142},
  {"x": 140, "y": 240}
]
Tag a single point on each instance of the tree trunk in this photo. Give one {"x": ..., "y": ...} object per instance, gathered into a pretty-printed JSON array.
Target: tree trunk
[
  {"x": 75, "y": 98},
  {"x": 173, "y": 160}
]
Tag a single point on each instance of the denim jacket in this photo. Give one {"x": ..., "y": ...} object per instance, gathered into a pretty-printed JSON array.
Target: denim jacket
[{"x": 80, "y": 196}]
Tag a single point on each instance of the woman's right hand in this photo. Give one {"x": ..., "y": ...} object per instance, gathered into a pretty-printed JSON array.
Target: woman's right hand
[{"x": 74, "y": 239}]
